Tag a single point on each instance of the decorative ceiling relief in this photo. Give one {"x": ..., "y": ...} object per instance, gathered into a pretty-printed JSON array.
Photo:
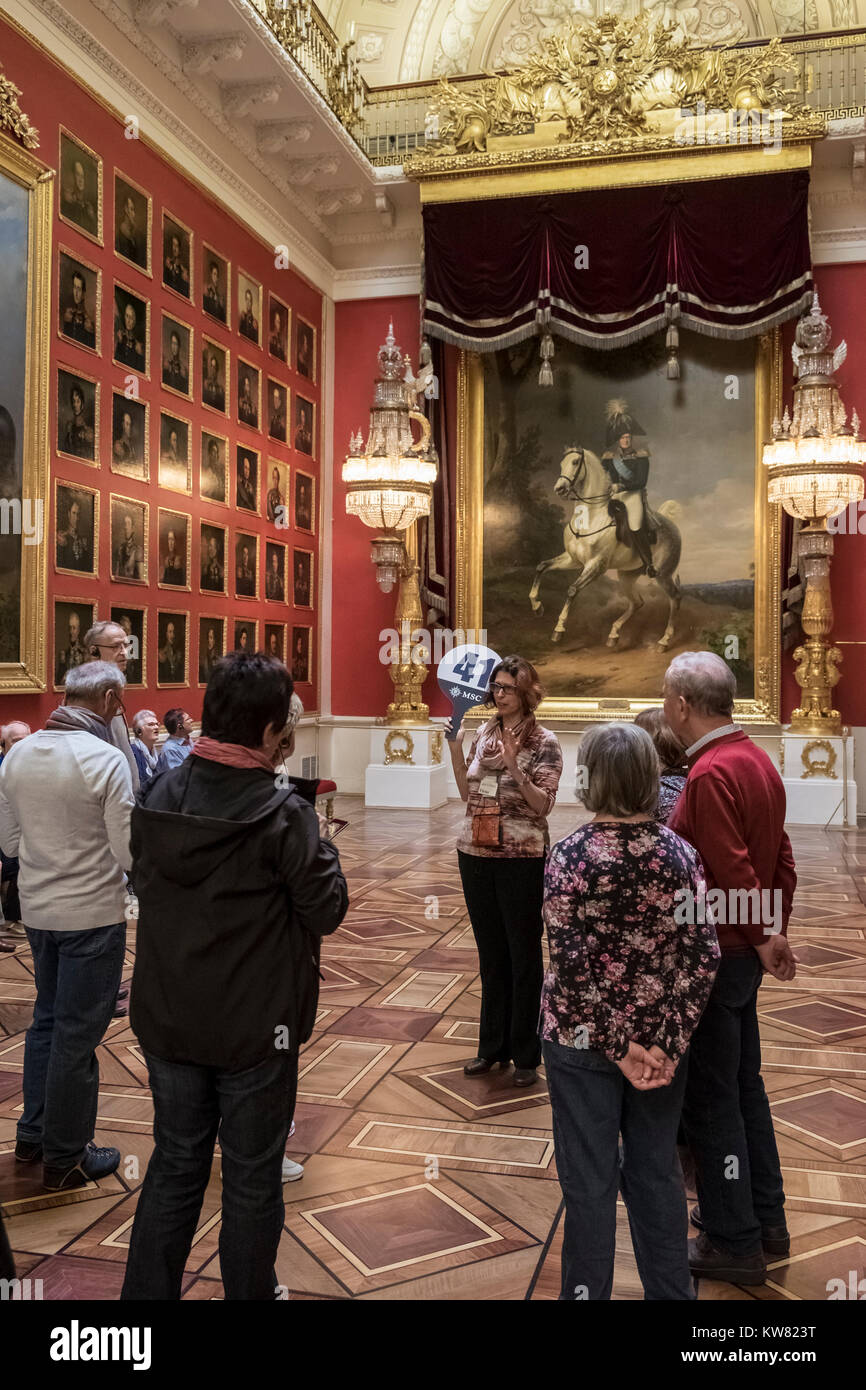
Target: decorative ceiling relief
[
  {"x": 413, "y": 50},
  {"x": 458, "y": 34},
  {"x": 700, "y": 21},
  {"x": 792, "y": 16},
  {"x": 369, "y": 46}
]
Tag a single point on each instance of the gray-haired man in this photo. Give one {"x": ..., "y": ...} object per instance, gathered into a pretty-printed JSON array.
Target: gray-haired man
[
  {"x": 107, "y": 641},
  {"x": 65, "y": 805}
]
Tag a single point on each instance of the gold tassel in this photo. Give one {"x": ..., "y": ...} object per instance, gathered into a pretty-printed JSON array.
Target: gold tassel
[
  {"x": 672, "y": 343},
  {"x": 545, "y": 375}
]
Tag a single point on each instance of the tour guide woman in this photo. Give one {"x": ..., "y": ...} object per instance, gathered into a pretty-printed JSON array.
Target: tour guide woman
[{"x": 509, "y": 781}]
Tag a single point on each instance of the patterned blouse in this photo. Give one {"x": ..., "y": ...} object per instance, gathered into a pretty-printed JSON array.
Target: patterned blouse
[
  {"x": 622, "y": 967},
  {"x": 524, "y": 832},
  {"x": 670, "y": 786}
]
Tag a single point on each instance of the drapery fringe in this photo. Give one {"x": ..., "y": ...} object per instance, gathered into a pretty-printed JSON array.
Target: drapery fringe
[{"x": 626, "y": 337}]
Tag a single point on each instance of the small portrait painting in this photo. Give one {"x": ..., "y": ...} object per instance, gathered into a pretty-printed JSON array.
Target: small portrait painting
[
  {"x": 300, "y": 666},
  {"x": 171, "y": 640},
  {"x": 134, "y": 623},
  {"x": 214, "y": 376},
  {"x": 304, "y": 425},
  {"x": 130, "y": 454},
  {"x": 176, "y": 256},
  {"x": 275, "y": 572},
  {"x": 249, "y": 307},
  {"x": 275, "y": 641},
  {"x": 305, "y": 350},
  {"x": 279, "y": 328},
  {"x": 131, "y": 329},
  {"x": 247, "y": 483},
  {"x": 277, "y": 498},
  {"x": 305, "y": 502},
  {"x": 174, "y": 547},
  {"x": 76, "y": 517},
  {"x": 246, "y": 635},
  {"x": 80, "y": 186},
  {"x": 302, "y": 578},
  {"x": 246, "y": 565},
  {"x": 128, "y": 540},
  {"x": 249, "y": 393},
  {"x": 77, "y": 415},
  {"x": 211, "y": 645},
  {"x": 72, "y": 619},
  {"x": 79, "y": 300},
  {"x": 215, "y": 275},
  {"x": 175, "y": 468},
  {"x": 176, "y": 356},
  {"x": 132, "y": 219},
  {"x": 278, "y": 410},
  {"x": 213, "y": 559},
  {"x": 213, "y": 480}
]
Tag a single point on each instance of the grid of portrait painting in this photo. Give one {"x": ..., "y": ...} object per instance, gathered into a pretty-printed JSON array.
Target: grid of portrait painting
[{"x": 179, "y": 375}]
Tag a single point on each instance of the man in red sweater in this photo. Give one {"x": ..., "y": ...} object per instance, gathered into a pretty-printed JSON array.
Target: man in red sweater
[{"x": 732, "y": 809}]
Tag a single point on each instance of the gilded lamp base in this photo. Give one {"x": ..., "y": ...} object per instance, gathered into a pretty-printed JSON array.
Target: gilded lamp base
[
  {"x": 409, "y": 673},
  {"x": 817, "y": 659}
]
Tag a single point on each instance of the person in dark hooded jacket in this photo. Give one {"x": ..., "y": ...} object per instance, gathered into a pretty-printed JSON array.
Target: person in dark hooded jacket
[{"x": 235, "y": 890}]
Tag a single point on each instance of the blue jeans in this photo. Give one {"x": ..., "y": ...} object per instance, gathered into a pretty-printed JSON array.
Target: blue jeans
[
  {"x": 77, "y": 978},
  {"x": 726, "y": 1115},
  {"x": 251, "y": 1111},
  {"x": 593, "y": 1105}
]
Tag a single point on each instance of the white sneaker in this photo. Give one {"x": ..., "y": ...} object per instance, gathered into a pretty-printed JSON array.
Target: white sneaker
[
  {"x": 15, "y": 929},
  {"x": 292, "y": 1171}
]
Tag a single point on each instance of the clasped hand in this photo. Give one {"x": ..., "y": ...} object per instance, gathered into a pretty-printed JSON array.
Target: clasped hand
[{"x": 646, "y": 1068}]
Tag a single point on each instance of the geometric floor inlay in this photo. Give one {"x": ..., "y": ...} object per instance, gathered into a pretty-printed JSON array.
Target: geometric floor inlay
[
  {"x": 820, "y": 1018},
  {"x": 834, "y": 1116}
]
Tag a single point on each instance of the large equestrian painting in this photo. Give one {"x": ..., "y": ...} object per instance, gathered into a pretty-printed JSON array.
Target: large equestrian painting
[{"x": 620, "y": 523}]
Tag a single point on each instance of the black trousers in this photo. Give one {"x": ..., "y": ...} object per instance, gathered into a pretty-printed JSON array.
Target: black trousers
[
  {"x": 504, "y": 898},
  {"x": 726, "y": 1115}
]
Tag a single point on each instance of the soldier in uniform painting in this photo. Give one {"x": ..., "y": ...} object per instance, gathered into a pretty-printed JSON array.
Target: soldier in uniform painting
[
  {"x": 628, "y": 468},
  {"x": 74, "y": 654},
  {"x": 77, "y": 323}
]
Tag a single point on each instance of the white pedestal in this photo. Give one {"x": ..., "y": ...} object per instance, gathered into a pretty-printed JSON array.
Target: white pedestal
[
  {"x": 407, "y": 767},
  {"x": 818, "y": 773}
]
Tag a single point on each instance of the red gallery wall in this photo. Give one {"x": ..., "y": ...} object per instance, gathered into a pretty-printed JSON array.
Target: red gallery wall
[
  {"x": 51, "y": 98},
  {"x": 842, "y": 292}
]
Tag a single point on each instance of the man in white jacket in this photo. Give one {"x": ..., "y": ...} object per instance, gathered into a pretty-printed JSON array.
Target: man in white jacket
[{"x": 65, "y": 804}]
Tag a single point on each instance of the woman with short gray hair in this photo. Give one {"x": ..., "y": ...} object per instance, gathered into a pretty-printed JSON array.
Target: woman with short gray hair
[
  {"x": 631, "y": 967},
  {"x": 145, "y": 727}
]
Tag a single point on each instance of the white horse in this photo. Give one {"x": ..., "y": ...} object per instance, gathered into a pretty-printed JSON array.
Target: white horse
[{"x": 592, "y": 547}]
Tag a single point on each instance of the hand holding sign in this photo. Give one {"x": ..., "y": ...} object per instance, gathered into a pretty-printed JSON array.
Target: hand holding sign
[{"x": 464, "y": 676}]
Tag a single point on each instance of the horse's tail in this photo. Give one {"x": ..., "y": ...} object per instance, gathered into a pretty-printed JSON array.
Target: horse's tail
[{"x": 670, "y": 509}]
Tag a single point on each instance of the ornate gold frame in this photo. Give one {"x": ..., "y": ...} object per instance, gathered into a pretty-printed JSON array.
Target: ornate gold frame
[
  {"x": 765, "y": 708},
  {"x": 30, "y": 672}
]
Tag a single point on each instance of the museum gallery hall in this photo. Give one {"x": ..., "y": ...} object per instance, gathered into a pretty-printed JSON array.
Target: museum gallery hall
[{"x": 433, "y": 658}]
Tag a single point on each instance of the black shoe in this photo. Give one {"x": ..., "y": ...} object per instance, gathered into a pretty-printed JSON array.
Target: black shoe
[
  {"x": 478, "y": 1067},
  {"x": 775, "y": 1240},
  {"x": 27, "y": 1152},
  {"x": 525, "y": 1076},
  {"x": 706, "y": 1262},
  {"x": 95, "y": 1163}
]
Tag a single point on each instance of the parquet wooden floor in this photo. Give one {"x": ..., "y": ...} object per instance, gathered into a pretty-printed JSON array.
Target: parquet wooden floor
[{"x": 421, "y": 1184}]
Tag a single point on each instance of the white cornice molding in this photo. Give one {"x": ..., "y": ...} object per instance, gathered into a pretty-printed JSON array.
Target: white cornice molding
[
  {"x": 380, "y": 282},
  {"x": 55, "y": 29},
  {"x": 839, "y": 245}
]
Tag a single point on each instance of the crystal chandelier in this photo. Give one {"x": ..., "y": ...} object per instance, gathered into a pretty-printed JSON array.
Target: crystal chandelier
[
  {"x": 390, "y": 481},
  {"x": 815, "y": 465},
  {"x": 815, "y": 460}
]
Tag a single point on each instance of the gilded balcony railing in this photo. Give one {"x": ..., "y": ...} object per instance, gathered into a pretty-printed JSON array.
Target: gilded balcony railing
[{"x": 390, "y": 123}]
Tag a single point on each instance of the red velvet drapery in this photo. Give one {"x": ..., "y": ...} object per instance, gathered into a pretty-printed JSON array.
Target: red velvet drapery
[{"x": 726, "y": 257}]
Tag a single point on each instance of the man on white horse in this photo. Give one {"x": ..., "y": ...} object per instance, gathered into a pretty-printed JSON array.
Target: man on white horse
[{"x": 628, "y": 469}]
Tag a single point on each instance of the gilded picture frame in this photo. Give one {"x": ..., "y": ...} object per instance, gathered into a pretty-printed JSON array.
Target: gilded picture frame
[{"x": 764, "y": 706}]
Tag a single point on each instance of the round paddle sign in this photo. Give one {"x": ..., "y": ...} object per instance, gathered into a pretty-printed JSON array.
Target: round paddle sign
[{"x": 464, "y": 676}]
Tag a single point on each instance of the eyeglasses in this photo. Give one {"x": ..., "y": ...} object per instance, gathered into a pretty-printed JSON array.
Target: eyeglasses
[
  {"x": 498, "y": 689},
  {"x": 113, "y": 646}
]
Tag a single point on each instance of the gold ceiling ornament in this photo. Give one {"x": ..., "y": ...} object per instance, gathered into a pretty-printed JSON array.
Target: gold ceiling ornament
[
  {"x": 12, "y": 118},
  {"x": 615, "y": 86}
]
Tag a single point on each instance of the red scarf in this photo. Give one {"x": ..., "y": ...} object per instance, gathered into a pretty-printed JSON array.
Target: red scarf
[{"x": 231, "y": 754}]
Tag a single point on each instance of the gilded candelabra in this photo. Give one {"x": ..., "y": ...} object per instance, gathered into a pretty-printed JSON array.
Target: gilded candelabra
[{"x": 815, "y": 463}]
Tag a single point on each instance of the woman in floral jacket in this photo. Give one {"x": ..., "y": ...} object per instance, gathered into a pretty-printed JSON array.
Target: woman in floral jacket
[{"x": 633, "y": 955}]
